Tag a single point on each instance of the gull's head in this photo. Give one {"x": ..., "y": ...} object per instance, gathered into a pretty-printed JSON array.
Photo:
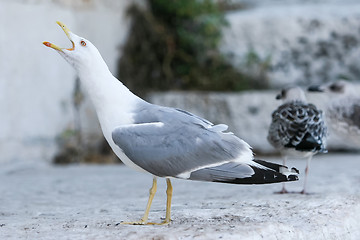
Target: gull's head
[
  {"x": 337, "y": 88},
  {"x": 291, "y": 94},
  {"x": 81, "y": 54}
]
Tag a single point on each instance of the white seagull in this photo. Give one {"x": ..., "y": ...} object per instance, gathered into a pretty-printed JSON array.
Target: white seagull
[
  {"x": 297, "y": 128},
  {"x": 343, "y": 110},
  {"x": 162, "y": 141}
]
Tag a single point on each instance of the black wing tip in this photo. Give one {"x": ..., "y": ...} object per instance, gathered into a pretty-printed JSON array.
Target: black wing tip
[
  {"x": 293, "y": 178},
  {"x": 274, "y": 166},
  {"x": 272, "y": 173},
  {"x": 276, "y": 172},
  {"x": 295, "y": 170},
  {"x": 261, "y": 179}
]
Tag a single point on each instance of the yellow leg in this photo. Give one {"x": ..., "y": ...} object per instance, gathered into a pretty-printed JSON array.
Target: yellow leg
[
  {"x": 144, "y": 219},
  {"x": 169, "y": 191}
]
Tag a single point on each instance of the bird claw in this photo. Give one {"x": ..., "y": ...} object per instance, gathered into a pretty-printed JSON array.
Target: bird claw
[
  {"x": 283, "y": 191},
  {"x": 142, "y": 222},
  {"x": 305, "y": 192},
  {"x": 162, "y": 223}
]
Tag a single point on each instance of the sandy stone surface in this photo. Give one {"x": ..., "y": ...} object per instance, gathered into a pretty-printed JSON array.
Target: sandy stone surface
[{"x": 88, "y": 202}]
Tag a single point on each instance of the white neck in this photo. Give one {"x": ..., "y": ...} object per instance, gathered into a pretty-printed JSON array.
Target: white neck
[
  {"x": 295, "y": 94},
  {"x": 112, "y": 100},
  {"x": 295, "y": 98}
]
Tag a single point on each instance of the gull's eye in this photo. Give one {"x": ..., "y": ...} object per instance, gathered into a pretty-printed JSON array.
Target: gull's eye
[{"x": 83, "y": 43}]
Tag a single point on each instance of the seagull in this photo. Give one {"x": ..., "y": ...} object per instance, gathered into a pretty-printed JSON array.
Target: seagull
[
  {"x": 343, "y": 110},
  {"x": 297, "y": 128},
  {"x": 165, "y": 142}
]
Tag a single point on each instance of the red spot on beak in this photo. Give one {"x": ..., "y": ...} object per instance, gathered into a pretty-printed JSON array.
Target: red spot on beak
[{"x": 47, "y": 44}]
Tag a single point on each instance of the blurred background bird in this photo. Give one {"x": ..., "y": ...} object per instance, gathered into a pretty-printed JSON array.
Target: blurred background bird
[{"x": 297, "y": 128}]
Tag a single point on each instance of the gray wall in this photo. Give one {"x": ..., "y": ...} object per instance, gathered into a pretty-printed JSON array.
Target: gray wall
[
  {"x": 36, "y": 84},
  {"x": 297, "y": 42}
]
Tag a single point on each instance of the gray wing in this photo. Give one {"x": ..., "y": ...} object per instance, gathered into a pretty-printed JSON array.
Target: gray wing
[
  {"x": 194, "y": 116},
  {"x": 223, "y": 173},
  {"x": 177, "y": 142},
  {"x": 298, "y": 125},
  {"x": 146, "y": 113}
]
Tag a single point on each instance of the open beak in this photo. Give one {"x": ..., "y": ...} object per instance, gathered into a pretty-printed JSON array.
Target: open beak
[{"x": 67, "y": 32}]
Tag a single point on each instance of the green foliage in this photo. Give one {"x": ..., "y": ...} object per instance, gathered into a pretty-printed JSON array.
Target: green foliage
[
  {"x": 257, "y": 67},
  {"x": 174, "y": 46},
  {"x": 195, "y": 25}
]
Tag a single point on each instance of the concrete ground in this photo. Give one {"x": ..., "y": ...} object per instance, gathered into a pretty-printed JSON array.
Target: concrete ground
[{"x": 89, "y": 202}]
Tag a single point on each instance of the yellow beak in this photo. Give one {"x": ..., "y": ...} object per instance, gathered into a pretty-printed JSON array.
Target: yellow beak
[{"x": 67, "y": 32}]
